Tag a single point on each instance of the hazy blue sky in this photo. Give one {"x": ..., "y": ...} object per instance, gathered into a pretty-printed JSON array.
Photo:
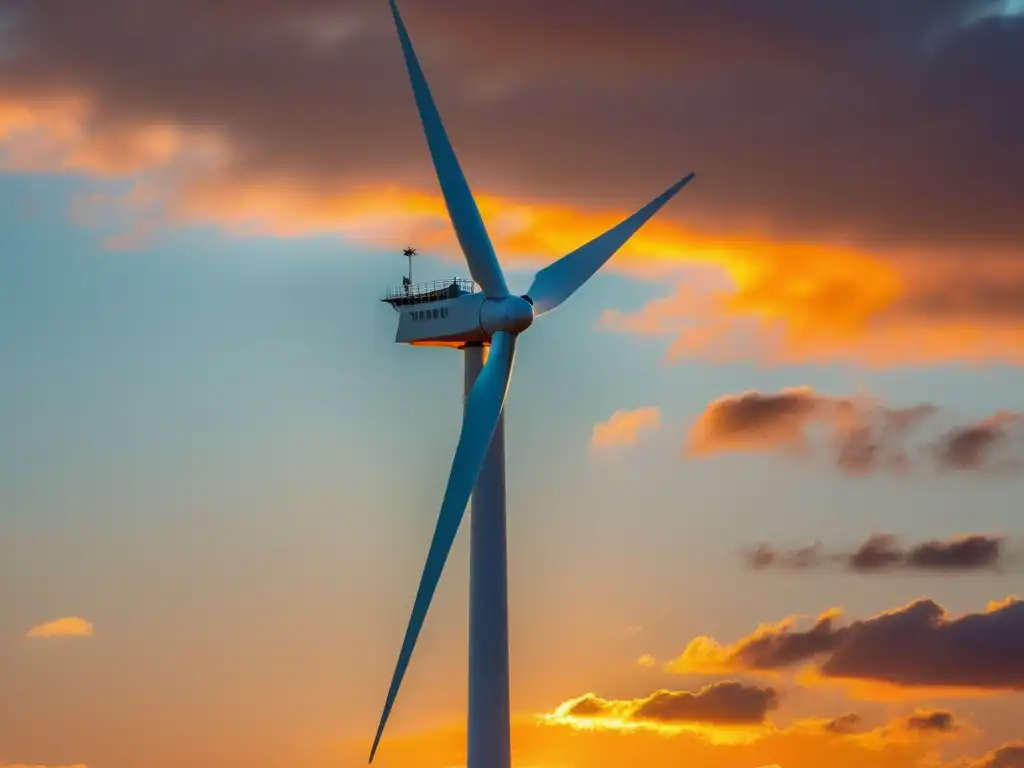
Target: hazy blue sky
[{"x": 212, "y": 451}]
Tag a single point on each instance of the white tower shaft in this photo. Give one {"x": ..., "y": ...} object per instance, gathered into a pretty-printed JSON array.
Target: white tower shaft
[{"x": 488, "y": 739}]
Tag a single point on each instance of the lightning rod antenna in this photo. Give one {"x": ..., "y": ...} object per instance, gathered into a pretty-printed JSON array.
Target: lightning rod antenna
[{"x": 409, "y": 253}]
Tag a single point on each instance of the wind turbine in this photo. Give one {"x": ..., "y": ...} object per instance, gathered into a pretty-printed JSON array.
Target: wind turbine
[{"x": 486, "y": 325}]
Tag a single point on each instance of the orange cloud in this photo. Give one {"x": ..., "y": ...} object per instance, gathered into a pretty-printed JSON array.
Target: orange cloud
[
  {"x": 781, "y": 302},
  {"x": 625, "y": 427},
  {"x": 72, "y": 626},
  {"x": 777, "y": 318},
  {"x": 920, "y": 725},
  {"x": 768, "y": 301},
  {"x": 64, "y": 134},
  {"x": 723, "y": 713},
  {"x": 861, "y": 435},
  {"x": 1009, "y": 755},
  {"x": 706, "y": 656},
  {"x": 908, "y": 652},
  {"x": 529, "y": 234},
  {"x": 755, "y": 422}
]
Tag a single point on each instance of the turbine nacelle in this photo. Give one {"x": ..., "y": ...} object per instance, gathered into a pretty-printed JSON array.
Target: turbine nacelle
[{"x": 509, "y": 313}]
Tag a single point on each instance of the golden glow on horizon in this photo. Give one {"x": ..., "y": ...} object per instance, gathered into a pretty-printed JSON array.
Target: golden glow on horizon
[{"x": 549, "y": 746}]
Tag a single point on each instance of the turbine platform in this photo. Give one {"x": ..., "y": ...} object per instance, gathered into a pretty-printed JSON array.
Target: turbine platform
[
  {"x": 427, "y": 293},
  {"x": 440, "y": 313}
]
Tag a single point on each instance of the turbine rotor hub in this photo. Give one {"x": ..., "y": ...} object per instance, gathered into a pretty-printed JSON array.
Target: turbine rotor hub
[{"x": 511, "y": 313}]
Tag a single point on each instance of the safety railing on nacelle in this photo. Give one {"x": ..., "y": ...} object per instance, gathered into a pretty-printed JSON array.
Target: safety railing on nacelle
[{"x": 435, "y": 290}]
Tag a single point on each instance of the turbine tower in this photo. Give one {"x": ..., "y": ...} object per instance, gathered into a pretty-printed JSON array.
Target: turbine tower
[{"x": 485, "y": 324}]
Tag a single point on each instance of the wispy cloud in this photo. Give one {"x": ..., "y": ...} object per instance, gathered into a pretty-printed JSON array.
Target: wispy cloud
[
  {"x": 882, "y": 552},
  {"x": 858, "y": 435},
  {"x": 625, "y": 428},
  {"x": 921, "y": 725}
]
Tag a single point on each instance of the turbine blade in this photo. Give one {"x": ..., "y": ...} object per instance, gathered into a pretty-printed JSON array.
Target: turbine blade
[
  {"x": 483, "y": 409},
  {"x": 560, "y": 280},
  {"x": 458, "y": 199}
]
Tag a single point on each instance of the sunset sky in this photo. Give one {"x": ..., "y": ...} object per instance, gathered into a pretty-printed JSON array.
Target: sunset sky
[{"x": 765, "y": 472}]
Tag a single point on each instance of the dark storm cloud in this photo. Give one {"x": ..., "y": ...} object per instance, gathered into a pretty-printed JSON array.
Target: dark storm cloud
[
  {"x": 885, "y": 552},
  {"x": 919, "y": 645},
  {"x": 886, "y": 123}
]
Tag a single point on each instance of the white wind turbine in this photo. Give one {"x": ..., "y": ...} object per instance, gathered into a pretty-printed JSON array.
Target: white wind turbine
[{"x": 456, "y": 315}]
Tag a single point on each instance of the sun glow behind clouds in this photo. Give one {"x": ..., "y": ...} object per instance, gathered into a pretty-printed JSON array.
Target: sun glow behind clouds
[
  {"x": 773, "y": 300},
  {"x": 620, "y": 716}
]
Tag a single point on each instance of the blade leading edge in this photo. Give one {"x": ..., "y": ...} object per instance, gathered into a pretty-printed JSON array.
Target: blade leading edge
[
  {"x": 483, "y": 409},
  {"x": 462, "y": 208},
  {"x": 560, "y": 280}
]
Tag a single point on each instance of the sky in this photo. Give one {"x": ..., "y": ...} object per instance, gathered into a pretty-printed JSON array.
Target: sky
[{"x": 764, "y": 470}]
